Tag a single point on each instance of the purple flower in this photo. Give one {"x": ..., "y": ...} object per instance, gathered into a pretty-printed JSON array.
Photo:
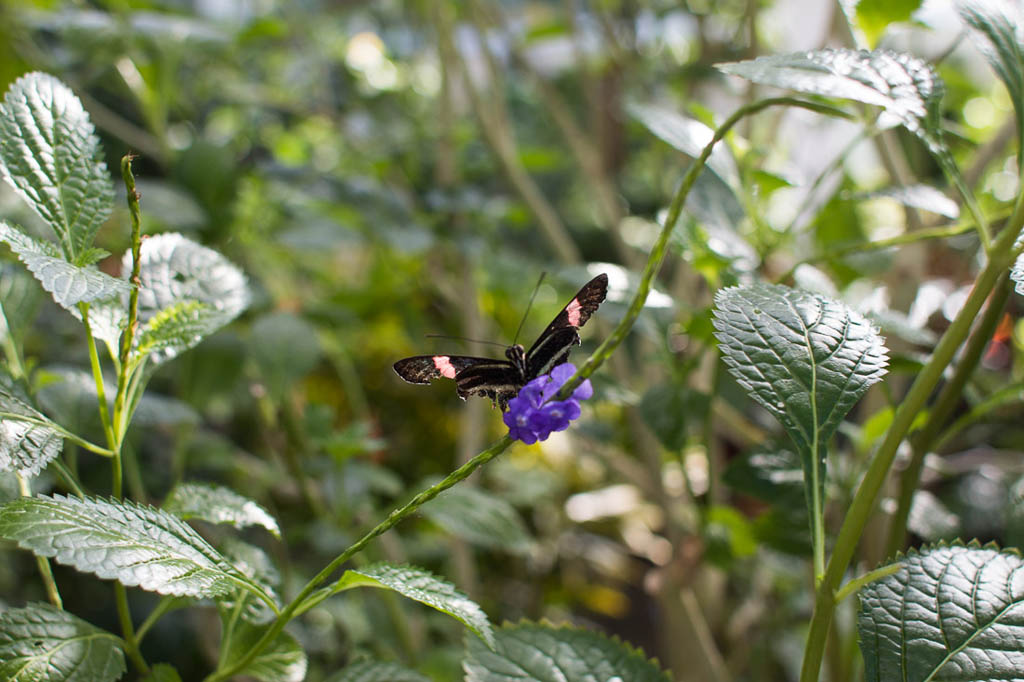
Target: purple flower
[{"x": 533, "y": 416}]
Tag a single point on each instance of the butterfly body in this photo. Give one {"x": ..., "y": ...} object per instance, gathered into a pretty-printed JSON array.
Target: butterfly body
[{"x": 500, "y": 380}]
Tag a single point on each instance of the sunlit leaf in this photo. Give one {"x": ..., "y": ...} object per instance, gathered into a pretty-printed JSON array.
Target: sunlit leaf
[
  {"x": 217, "y": 504},
  {"x": 28, "y": 439},
  {"x": 41, "y": 643}
]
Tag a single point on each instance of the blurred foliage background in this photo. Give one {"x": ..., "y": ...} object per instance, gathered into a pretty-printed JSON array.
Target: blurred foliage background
[{"x": 384, "y": 170}]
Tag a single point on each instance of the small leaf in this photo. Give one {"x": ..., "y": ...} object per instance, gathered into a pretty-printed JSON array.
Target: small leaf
[
  {"x": 163, "y": 672},
  {"x": 996, "y": 31},
  {"x": 68, "y": 284},
  {"x": 805, "y": 358},
  {"x": 421, "y": 586},
  {"x": 134, "y": 544},
  {"x": 949, "y": 613},
  {"x": 218, "y": 504},
  {"x": 186, "y": 288},
  {"x": 377, "y": 671},
  {"x": 51, "y": 156},
  {"x": 542, "y": 653},
  {"x": 40, "y": 642},
  {"x": 904, "y": 86},
  {"x": 253, "y": 563},
  {"x": 873, "y": 16},
  {"x": 283, "y": 660},
  {"x": 479, "y": 518},
  {"x": 28, "y": 445}
]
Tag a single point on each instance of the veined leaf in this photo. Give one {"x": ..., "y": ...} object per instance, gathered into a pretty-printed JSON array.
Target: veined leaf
[
  {"x": 424, "y": 587},
  {"x": 68, "y": 284},
  {"x": 42, "y": 643},
  {"x": 805, "y": 358},
  {"x": 26, "y": 445},
  {"x": 185, "y": 289},
  {"x": 283, "y": 660},
  {"x": 996, "y": 26},
  {"x": 134, "y": 544},
  {"x": 377, "y": 671},
  {"x": 542, "y": 653},
  {"x": 218, "y": 504},
  {"x": 904, "y": 86},
  {"x": 949, "y": 613},
  {"x": 51, "y": 156},
  {"x": 479, "y": 518}
]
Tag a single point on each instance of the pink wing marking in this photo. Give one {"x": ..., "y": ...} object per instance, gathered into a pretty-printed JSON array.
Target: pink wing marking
[
  {"x": 573, "y": 311},
  {"x": 444, "y": 366}
]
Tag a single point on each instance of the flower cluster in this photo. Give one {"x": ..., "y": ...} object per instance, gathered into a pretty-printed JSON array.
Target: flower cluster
[{"x": 531, "y": 417}]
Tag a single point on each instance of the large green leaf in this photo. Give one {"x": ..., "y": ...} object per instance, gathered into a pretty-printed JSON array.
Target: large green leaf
[
  {"x": 377, "y": 671},
  {"x": 904, "y": 86},
  {"x": 51, "y": 156},
  {"x": 542, "y": 653},
  {"x": 480, "y": 518},
  {"x": 134, "y": 544},
  {"x": 218, "y": 504},
  {"x": 949, "y": 613},
  {"x": 283, "y": 660},
  {"x": 69, "y": 284},
  {"x": 805, "y": 358},
  {"x": 186, "y": 293},
  {"x": 41, "y": 643},
  {"x": 28, "y": 439},
  {"x": 422, "y": 586},
  {"x": 995, "y": 26}
]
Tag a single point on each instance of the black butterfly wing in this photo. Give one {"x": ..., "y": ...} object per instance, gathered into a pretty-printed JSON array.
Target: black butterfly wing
[
  {"x": 552, "y": 347},
  {"x": 498, "y": 380}
]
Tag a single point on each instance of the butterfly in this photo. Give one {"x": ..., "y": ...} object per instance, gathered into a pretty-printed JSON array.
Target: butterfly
[{"x": 500, "y": 380}]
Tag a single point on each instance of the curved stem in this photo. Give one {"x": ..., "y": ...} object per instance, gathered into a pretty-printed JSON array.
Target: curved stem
[{"x": 45, "y": 572}]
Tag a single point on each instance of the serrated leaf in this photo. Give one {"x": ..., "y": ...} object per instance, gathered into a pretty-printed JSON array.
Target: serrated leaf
[
  {"x": 542, "y": 653},
  {"x": 283, "y": 660},
  {"x": 124, "y": 541},
  {"x": 805, "y": 358},
  {"x": 479, "y": 518},
  {"x": 201, "y": 288},
  {"x": 218, "y": 504},
  {"x": 40, "y": 642},
  {"x": 904, "y": 86},
  {"x": 688, "y": 136},
  {"x": 68, "y": 284},
  {"x": 26, "y": 445},
  {"x": 285, "y": 348},
  {"x": 421, "y": 586},
  {"x": 949, "y": 613},
  {"x": 254, "y": 564},
  {"x": 51, "y": 156},
  {"x": 995, "y": 28},
  {"x": 377, "y": 671}
]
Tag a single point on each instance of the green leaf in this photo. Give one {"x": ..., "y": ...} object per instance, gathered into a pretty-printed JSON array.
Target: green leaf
[
  {"x": 904, "y": 86},
  {"x": 949, "y": 613},
  {"x": 805, "y": 358},
  {"x": 254, "y": 564},
  {"x": 421, "y": 586},
  {"x": 26, "y": 445},
  {"x": 186, "y": 293},
  {"x": 51, "y": 156},
  {"x": 770, "y": 474},
  {"x": 40, "y": 642},
  {"x": 285, "y": 349},
  {"x": 124, "y": 541},
  {"x": 873, "y": 16},
  {"x": 543, "y": 653},
  {"x": 924, "y": 197},
  {"x": 163, "y": 672},
  {"x": 218, "y": 504},
  {"x": 480, "y": 518},
  {"x": 20, "y": 297},
  {"x": 68, "y": 284},
  {"x": 283, "y": 660},
  {"x": 377, "y": 671},
  {"x": 930, "y": 519},
  {"x": 995, "y": 27}
]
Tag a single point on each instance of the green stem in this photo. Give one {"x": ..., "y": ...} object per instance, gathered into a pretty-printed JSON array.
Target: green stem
[
  {"x": 67, "y": 435},
  {"x": 166, "y": 605},
  {"x": 68, "y": 477},
  {"x": 864, "y": 500},
  {"x": 298, "y": 604},
  {"x": 938, "y": 416},
  {"x": 869, "y": 577},
  {"x": 97, "y": 377},
  {"x": 120, "y": 417},
  {"x": 45, "y": 572}
]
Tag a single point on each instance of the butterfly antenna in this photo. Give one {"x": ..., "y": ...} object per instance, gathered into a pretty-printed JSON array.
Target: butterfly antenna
[
  {"x": 528, "y": 306},
  {"x": 463, "y": 338}
]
